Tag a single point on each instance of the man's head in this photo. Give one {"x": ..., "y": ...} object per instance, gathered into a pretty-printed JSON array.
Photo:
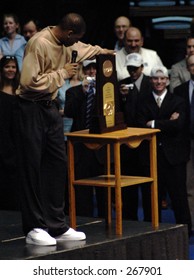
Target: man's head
[
  {"x": 159, "y": 79},
  {"x": 70, "y": 29},
  {"x": 134, "y": 64},
  {"x": 190, "y": 46},
  {"x": 30, "y": 27},
  {"x": 121, "y": 24},
  {"x": 133, "y": 40},
  {"x": 190, "y": 65}
]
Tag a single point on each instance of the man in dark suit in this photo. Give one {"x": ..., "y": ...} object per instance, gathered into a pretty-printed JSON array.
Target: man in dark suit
[
  {"x": 165, "y": 111},
  {"x": 185, "y": 90},
  {"x": 88, "y": 163},
  {"x": 130, "y": 89}
]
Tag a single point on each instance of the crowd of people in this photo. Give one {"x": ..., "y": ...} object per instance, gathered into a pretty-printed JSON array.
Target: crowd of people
[{"x": 43, "y": 94}]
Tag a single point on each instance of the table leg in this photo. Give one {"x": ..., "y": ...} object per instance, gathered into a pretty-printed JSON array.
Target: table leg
[
  {"x": 118, "y": 198},
  {"x": 109, "y": 214},
  {"x": 71, "y": 178},
  {"x": 154, "y": 184}
]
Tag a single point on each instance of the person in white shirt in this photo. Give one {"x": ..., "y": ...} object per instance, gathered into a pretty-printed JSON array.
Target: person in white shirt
[{"x": 133, "y": 43}]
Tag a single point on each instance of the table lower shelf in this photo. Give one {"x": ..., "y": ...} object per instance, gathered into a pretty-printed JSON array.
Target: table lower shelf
[{"x": 109, "y": 180}]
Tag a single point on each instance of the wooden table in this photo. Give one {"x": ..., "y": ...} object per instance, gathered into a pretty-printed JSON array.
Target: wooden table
[{"x": 131, "y": 137}]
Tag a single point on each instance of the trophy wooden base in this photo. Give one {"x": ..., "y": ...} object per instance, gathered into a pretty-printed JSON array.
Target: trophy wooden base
[{"x": 98, "y": 124}]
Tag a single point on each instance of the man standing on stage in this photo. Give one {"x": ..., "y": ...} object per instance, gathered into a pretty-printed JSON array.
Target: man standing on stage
[{"x": 39, "y": 128}]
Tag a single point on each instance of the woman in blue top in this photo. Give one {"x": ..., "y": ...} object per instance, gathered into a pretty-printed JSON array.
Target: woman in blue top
[{"x": 12, "y": 40}]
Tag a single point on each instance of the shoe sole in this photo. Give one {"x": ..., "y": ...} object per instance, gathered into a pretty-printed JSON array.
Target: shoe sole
[
  {"x": 66, "y": 238},
  {"x": 39, "y": 243}
]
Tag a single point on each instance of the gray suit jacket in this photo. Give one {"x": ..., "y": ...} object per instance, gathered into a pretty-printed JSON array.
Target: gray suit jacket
[{"x": 179, "y": 74}]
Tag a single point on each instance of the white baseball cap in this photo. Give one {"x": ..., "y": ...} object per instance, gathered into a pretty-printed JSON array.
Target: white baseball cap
[
  {"x": 88, "y": 62},
  {"x": 159, "y": 71},
  {"x": 134, "y": 59}
]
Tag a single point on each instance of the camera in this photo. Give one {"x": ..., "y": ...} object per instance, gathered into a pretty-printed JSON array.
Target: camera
[{"x": 130, "y": 86}]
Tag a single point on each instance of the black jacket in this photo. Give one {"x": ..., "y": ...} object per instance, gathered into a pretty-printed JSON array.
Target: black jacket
[
  {"x": 129, "y": 104},
  {"x": 172, "y": 138}
]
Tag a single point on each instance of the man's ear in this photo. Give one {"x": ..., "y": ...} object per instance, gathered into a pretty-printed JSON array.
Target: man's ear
[{"x": 69, "y": 33}]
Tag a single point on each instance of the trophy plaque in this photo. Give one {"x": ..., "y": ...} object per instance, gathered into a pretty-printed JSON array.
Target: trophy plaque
[{"x": 106, "y": 115}]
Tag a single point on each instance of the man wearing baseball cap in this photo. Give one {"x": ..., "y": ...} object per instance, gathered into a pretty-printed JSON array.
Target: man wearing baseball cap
[
  {"x": 89, "y": 64},
  {"x": 130, "y": 89},
  {"x": 165, "y": 111},
  {"x": 136, "y": 78}
]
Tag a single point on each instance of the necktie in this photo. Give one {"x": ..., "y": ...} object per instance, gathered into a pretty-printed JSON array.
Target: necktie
[
  {"x": 89, "y": 105},
  {"x": 159, "y": 101},
  {"x": 192, "y": 113}
]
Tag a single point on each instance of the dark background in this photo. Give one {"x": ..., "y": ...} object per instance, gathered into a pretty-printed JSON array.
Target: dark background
[{"x": 99, "y": 15}]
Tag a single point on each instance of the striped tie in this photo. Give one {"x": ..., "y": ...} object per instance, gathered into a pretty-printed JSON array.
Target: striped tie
[{"x": 89, "y": 105}]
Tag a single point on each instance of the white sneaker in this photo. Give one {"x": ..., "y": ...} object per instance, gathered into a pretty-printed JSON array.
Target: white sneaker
[
  {"x": 38, "y": 236},
  {"x": 71, "y": 234}
]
